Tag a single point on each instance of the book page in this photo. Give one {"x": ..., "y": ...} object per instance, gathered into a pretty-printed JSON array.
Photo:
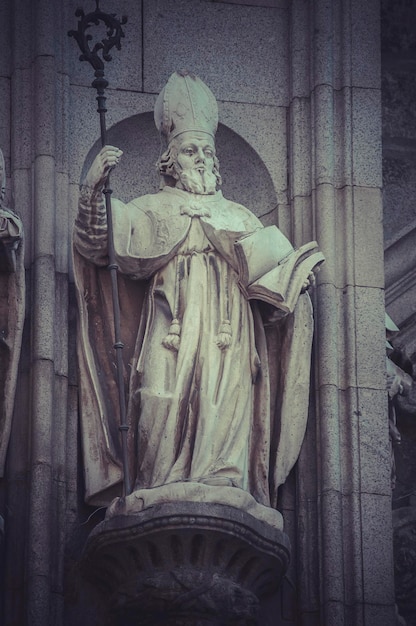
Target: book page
[{"x": 260, "y": 252}]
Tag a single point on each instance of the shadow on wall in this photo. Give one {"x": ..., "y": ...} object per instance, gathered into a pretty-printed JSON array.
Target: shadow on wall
[{"x": 245, "y": 177}]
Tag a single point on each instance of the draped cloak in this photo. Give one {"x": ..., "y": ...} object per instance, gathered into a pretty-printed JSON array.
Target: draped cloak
[
  {"x": 229, "y": 406},
  {"x": 12, "y": 315}
]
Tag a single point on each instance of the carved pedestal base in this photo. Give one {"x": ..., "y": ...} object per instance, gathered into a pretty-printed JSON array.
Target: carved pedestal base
[{"x": 185, "y": 564}]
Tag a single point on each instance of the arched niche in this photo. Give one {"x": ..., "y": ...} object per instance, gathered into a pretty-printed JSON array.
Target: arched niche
[{"x": 245, "y": 177}]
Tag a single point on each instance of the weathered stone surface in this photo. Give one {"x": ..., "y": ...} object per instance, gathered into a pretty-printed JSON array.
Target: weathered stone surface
[
  {"x": 366, "y": 128},
  {"x": 377, "y": 550},
  {"x": 264, "y": 129},
  {"x": 375, "y": 450},
  {"x": 399, "y": 193},
  {"x": 404, "y": 520},
  {"x": 365, "y": 57},
  {"x": 398, "y": 26},
  {"x": 399, "y": 115},
  {"x": 229, "y": 32},
  {"x": 184, "y": 562},
  {"x": 370, "y": 334},
  {"x": 368, "y": 240},
  {"x": 400, "y": 259},
  {"x": 143, "y": 499}
]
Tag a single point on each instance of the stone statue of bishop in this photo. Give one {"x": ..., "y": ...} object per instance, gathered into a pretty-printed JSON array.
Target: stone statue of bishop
[{"x": 217, "y": 405}]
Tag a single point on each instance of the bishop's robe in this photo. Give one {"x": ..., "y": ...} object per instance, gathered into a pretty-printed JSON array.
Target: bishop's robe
[
  {"x": 205, "y": 402},
  {"x": 12, "y": 316}
]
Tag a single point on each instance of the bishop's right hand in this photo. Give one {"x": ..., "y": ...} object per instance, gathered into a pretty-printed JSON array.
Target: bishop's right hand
[{"x": 104, "y": 162}]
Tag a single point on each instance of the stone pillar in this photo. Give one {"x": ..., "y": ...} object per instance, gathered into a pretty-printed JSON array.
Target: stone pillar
[
  {"x": 35, "y": 523},
  {"x": 344, "y": 499},
  {"x": 19, "y": 152}
]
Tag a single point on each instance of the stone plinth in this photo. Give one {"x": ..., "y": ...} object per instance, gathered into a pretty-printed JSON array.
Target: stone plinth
[{"x": 185, "y": 563}]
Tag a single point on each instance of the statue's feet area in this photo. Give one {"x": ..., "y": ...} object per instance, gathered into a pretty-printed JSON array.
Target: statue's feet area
[{"x": 197, "y": 492}]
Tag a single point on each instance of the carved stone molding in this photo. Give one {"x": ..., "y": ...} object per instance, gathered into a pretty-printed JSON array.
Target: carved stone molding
[{"x": 185, "y": 563}]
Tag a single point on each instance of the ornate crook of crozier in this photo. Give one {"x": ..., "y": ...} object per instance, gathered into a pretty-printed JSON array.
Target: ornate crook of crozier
[{"x": 114, "y": 35}]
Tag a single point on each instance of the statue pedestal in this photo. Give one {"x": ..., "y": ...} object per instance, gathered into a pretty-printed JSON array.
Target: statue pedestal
[{"x": 185, "y": 563}]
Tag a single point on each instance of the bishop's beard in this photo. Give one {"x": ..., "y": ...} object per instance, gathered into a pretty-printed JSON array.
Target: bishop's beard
[{"x": 197, "y": 181}]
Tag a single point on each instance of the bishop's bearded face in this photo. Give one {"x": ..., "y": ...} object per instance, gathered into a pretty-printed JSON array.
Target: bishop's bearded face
[{"x": 194, "y": 166}]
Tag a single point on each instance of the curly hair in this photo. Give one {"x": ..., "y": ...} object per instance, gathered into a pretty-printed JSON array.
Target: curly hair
[{"x": 166, "y": 165}]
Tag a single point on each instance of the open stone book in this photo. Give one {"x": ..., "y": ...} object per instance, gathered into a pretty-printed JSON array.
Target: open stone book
[{"x": 270, "y": 269}]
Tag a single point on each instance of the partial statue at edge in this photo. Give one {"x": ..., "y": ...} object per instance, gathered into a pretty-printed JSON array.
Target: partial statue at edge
[
  {"x": 12, "y": 311},
  {"x": 216, "y": 324}
]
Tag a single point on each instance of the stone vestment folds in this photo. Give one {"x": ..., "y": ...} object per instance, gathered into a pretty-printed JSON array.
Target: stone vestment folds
[
  {"x": 12, "y": 317},
  {"x": 228, "y": 404}
]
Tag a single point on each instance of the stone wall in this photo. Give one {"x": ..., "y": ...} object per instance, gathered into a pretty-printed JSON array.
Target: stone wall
[
  {"x": 399, "y": 164},
  {"x": 298, "y": 86},
  {"x": 399, "y": 180}
]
